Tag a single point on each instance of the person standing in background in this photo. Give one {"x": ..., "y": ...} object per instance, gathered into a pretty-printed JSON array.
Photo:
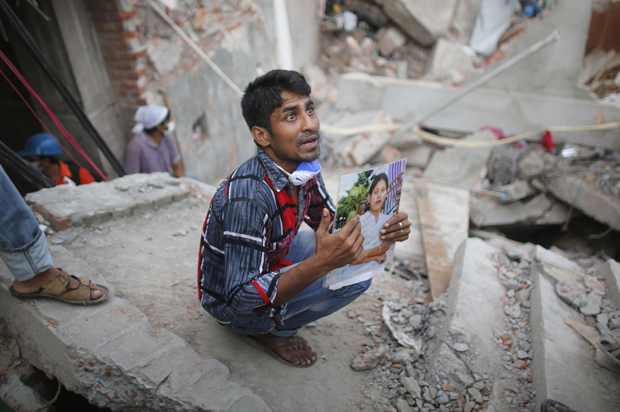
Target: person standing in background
[{"x": 152, "y": 149}]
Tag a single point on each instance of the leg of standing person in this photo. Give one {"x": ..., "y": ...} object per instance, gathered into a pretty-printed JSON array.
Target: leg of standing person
[{"x": 24, "y": 250}]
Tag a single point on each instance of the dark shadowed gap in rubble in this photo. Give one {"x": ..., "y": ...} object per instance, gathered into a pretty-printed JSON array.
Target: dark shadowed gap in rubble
[
  {"x": 67, "y": 401},
  {"x": 577, "y": 239}
]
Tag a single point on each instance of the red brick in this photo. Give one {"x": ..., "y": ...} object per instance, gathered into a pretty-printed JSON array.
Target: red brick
[
  {"x": 233, "y": 27},
  {"x": 110, "y": 36},
  {"x": 101, "y": 17},
  {"x": 131, "y": 84},
  {"x": 122, "y": 65},
  {"x": 122, "y": 15},
  {"x": 110, "y": 55},
  {"x": 128, "y": 74},
  {"x": 105, "y": 5},
  {"x": 130, "y": 35},
  {"x": 132, "y": 55},
  {"x": 108, "y": 45},
  {"x": 110, "y": 27}
]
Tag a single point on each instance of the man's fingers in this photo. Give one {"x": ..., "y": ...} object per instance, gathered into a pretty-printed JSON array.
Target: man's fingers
[
  {"x": 325, "y": 221},
  {"x": 351, "y": 225}
]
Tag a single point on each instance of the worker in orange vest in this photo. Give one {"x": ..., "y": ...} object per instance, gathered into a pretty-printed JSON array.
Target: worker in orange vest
[{"x": 42, "y": 151}]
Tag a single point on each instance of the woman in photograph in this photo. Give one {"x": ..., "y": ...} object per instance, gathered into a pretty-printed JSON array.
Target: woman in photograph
[{"x": 372, "y": 222}]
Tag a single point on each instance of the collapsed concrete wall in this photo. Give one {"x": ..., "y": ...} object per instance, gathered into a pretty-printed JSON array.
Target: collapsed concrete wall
[
  {"x": 238, "y": 37},
  {"x": 116, "y": 55}
]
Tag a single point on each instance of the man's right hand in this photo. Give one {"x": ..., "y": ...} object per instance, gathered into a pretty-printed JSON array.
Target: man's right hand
[{"x": 342, "y": 248}]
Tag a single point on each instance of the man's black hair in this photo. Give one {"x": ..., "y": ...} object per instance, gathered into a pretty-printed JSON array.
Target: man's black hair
[
  {"x": 152, "y": 129},
  {"x": 264, "y": 95}
]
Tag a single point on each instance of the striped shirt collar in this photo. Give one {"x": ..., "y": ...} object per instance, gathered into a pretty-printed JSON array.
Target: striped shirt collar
[{"x": 279, "y": 180}]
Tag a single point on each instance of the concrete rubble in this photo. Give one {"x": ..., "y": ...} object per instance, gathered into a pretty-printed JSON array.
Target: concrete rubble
[
  {"x": 520, "y": 323},
  {"x": 461, "y": 165}
]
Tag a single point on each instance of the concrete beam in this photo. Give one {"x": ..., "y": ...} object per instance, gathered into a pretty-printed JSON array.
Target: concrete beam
[
  {"x": 112, "y": 355},
  {"x": 576, "y": 191},
  {"x": 423, "y": 21},
  {"x": 562, "y": 359},
  {"x": 611, "y": 272},
  {"x": 513, "y": 112},
  {"x": 66, "y": 206}
]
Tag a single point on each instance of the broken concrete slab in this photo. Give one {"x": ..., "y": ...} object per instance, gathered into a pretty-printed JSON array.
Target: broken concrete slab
[
  {"x": 461, "y": 165},
  {"x": 513, "y": 112},
  {"x": 317, "y": 80},
  {"x": 388, "y": 154},
  {"x": 438, "y": 264},
  {"x": 557, "y": 372},
  {"x": 554, "y": 72},
  {"x": 610, "y": 271},
  {"x": 475, "y": 312},
  {"x": 360, "y": 149},
  {"x": 418, "y": 156},
  {"x": 516, "y": 190},
  {"x": 423, "y": 21},
  {"x": 99, "y": 202},
  {"x": 543, "y": 209},
  {"x": 556, "y": 267},
  {"x": 149, "y": 259},
  {"x": 446, "y": 57},
  {"x": 112, "y": 355},
  {"x": 464, "y": 19},
  {"x": 390, "y": 40},
  {"x": 576, "y": 191}
]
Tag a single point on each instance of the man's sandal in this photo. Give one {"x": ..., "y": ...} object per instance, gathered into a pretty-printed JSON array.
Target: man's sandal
[
  {"x": 269, "y": 345},
  {"x": 59, "y": 289}
]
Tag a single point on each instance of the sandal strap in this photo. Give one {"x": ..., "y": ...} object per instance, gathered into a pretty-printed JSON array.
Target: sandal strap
[
  {"x": 58, "y": 285},
  {"x": 293, "y": 342}
]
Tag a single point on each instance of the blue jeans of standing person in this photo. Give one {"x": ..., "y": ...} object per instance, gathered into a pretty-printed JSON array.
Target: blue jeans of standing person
[
  {"x": 23, "y": 247},
  {"x": 313, "y": 303}
]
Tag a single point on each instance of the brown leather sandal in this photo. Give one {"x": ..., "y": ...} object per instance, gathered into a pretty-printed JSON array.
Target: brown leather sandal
[
  {"x": 269, "y": 345},
  {"x": 58, "y": 289}
]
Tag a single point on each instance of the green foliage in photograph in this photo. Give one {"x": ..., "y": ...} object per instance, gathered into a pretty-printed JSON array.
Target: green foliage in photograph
[{"x": 354, "y": 201}]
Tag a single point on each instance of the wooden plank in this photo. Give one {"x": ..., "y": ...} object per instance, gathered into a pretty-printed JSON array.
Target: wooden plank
[{"x": 437, "y": 261}]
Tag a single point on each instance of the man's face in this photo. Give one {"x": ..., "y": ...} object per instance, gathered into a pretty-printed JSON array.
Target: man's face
[
  {"x": 40, "y": 163},
  {"x": 295, "y": 136}
]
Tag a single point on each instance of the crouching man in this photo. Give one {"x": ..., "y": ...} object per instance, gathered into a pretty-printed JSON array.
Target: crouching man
[{"x": 257, "y": 274}]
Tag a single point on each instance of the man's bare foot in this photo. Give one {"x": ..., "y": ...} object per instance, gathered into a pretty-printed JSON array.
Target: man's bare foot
[
  {"x": 42, "y": 279},
  {"x": 292, "y": 349}
]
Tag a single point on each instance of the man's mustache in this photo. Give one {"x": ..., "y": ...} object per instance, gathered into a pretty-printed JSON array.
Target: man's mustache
[{"x": 301, "y": 138}]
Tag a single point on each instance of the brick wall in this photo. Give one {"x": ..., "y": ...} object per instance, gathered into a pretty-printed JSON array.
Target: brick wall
[{"x": 124, "y": 56}]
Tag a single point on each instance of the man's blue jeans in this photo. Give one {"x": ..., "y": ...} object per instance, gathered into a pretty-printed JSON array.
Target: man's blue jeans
[
  {"x": 23, "y": 247},
  {"x": 314, "y": 303}
]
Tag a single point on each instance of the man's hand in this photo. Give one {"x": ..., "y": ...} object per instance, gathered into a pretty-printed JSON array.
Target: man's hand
[
  {"x": 342, "y": 248},
  {"x": 332, "y": 251},
  {"x": 397, "y": 228}
]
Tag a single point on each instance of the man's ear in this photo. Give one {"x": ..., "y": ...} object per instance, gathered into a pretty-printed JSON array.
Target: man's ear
[{"x": 261, "y": 136}]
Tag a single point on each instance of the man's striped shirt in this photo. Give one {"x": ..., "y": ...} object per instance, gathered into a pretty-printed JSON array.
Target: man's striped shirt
[{"x": 251, "y": 222}]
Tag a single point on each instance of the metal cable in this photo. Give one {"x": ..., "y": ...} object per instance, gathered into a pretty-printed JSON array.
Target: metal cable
[{"x": 60, "y": 86}]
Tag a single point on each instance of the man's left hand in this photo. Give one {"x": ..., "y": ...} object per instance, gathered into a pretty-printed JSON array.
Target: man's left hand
[{"x": 397, "y": 228}]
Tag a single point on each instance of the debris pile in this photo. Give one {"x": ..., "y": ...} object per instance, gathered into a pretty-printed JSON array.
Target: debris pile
[
  {"x": 418, "y": 368},
  {"x": 601, "y": 74},
  {"x": 405, "y": 39},
  {"x": 534, "y": 183}
]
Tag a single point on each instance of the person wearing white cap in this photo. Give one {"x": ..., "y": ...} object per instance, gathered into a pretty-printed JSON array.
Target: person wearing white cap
[{"x": 152, "y": 149}]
